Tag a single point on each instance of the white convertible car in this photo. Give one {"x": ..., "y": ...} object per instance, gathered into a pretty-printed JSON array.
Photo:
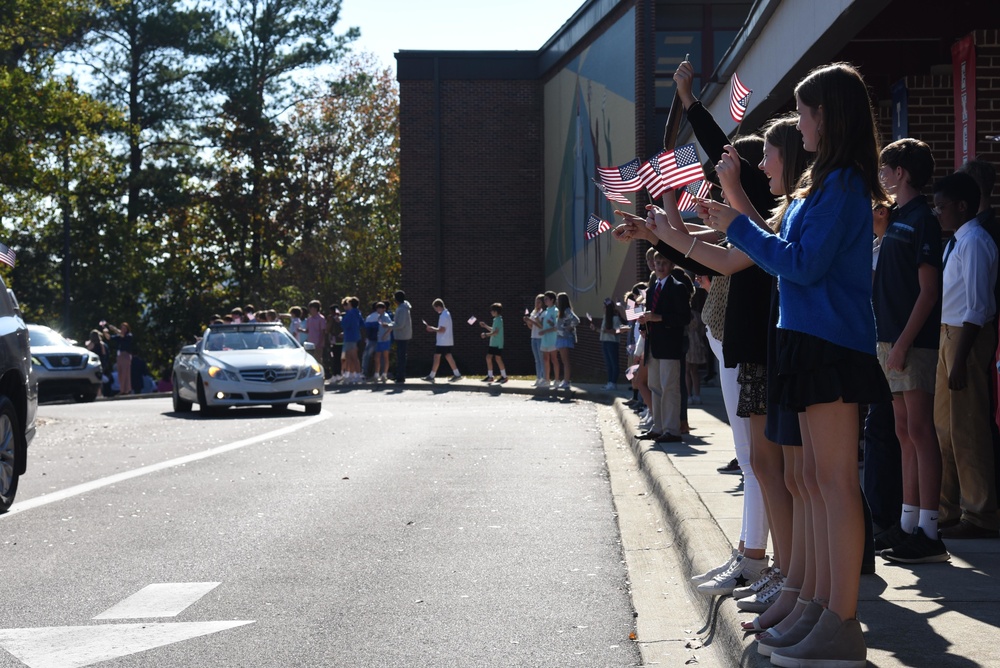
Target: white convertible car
[{"x": 249, "y": 364}]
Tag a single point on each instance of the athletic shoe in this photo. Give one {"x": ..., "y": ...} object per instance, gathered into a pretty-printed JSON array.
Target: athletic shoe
[
  {"x": 890, "y": 538},
  {"x": 741, "y": 573},
  {"x": 454, "y": 379},
  {"x": 694, "y": 400},
  {"x": 539, "y": 382},
  {"x": 762, "y": 600},
  {"x": 488, "y": 379},
  {"x": 768, "y": 576},
  {"x": 564, "y": 385},
  {"x": 732, "y": 468},
  {"x": 501, "y": 380},
  {"x": 429, "y": 379},
  {"x": 712, "y": 572},
  {"x": 918, "y": 549}
]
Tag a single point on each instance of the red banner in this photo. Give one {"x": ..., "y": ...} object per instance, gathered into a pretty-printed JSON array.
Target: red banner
[{"x": 963, "y": 62}]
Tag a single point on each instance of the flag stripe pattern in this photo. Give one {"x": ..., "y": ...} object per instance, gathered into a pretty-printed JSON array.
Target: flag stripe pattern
[
  {"x": 7, "y": 255},
  {"x": 698, "y": 189},
  {"x": 672, "y": 169},
  {"x": 622, "y": 179},
  {"x": 595, "y": 226},
  {"x": 739, "y": 99},
  {"x": 613, "y": 196}
]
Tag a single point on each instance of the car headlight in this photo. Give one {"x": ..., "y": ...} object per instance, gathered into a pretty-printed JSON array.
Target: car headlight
[
  {"x": 313, "y": 369},
  {"x": 93, "y": 360},
  {"x": 223, "y": 374}
]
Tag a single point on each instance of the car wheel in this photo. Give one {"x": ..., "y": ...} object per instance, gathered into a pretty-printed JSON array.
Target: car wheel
[
  {"x": 313, "y": 409},
  {"x": 202, "y": 403},
  {"x": 11, "y": 438},
  {"x": 180, "y": 406}
]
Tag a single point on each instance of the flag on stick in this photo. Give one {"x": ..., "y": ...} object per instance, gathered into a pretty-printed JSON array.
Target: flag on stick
[
  {"x": 739, "y": 99},
  {"x": 613, "y": 196},
  {"x": 472, "y": 320},
  {"x": 634, "y": 312},
  {"x": 671, "y": 169},
  {"x": 595, "y": 226},
  {"x": 7, "y": 255},
  {"x": 622, "y": 179},
  {"x": 698, "y": 189}
]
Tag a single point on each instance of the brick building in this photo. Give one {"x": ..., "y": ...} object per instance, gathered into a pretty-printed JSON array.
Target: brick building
[{"x": 497, "y": 148}]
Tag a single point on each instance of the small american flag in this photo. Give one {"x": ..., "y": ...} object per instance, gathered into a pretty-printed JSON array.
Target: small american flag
[
  {"x": 611, "y": 195},
  {"x": 623, "y": 179},
  {"x": 739, "y": 99},
  {"x": 472, "y": 320},
  {"x": 595, "y": 226},
  {"x": 699, "y": 189},
  {"x": 634, "y": 312},
  {"x": 630, "y": 372},
  {"x": 7, "y": 255},
  {"x": 671, "y": 169}
]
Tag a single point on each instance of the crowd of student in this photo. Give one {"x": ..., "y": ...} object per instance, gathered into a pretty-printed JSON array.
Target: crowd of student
[{"x": 815, "y": 328}]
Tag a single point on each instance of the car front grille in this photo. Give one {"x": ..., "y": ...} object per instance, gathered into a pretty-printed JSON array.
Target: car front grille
[
  {"x": 70, "y": 361},
  {"x": 268, "y": 375},
  {"x": 268, "y": 396}
]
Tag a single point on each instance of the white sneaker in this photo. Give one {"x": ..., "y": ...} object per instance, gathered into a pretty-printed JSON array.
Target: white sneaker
[
  {"x": 644, "y": 415},
  {"x": 767, "y": 577},
  {"x": 564, "y": 385},
  {"x": 762, "y": 600},
  {"x": 646, "y": 424},
  {"x": 539, "y": 382},
  {"x": 740, "y": 573},
  {"x": 712, "y": 572}
]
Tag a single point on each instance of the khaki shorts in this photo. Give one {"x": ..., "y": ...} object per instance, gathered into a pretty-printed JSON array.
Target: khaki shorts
[{"x": 920, "y": 372}]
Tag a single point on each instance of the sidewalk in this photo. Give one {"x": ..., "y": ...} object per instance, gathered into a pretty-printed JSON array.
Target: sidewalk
[{"x": 921, "y": 616}]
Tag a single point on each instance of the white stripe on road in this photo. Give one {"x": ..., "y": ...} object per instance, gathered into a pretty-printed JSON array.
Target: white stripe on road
[
  {"x": 61, "y": 495},
  {"x": 159, "y": 600}
]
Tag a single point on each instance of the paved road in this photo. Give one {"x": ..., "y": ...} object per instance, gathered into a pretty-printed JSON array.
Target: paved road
[{"x": 405, "y": 529}]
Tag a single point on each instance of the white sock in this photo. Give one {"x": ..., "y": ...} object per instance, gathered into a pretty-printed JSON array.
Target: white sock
[
  {"x": 489, "y": 374},
  {"x": 503, "y": 372},
  {"x": 430, "y": 375},
  {"x": 909, "y": 517},
  {"x": 929, "y": 523},
  {"x": 457, "y": 374}
]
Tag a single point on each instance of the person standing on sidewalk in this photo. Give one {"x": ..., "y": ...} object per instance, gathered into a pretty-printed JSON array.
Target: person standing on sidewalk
[
  {"x": 826, "y": 355},
  {"x": 494, "y": 333},
  {"x": 907, "y": 301},
  {"x": 402, "y": 332},
  {"x": 444, "y": 342}
]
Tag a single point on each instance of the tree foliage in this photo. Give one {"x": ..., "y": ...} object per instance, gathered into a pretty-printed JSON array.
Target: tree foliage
[{"x": 164, "y": 160}]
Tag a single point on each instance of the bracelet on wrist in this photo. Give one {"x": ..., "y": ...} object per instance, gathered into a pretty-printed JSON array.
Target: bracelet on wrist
[{"x": 694, "y": 240}]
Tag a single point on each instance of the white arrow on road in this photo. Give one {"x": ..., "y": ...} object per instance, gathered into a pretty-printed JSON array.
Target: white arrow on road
[{"x": 78, "y": 646}]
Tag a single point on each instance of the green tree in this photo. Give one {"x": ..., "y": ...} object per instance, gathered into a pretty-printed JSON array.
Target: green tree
[
  {"x": 253, "y": 65},
  {"x": 346, "y": 211}
]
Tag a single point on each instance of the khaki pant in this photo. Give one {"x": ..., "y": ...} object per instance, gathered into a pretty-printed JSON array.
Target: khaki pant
[
  {"x": 962, "y": 420},
  {"x": 664, "y": 382}
]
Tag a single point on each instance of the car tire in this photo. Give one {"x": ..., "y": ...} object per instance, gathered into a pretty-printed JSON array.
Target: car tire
[
  {"x": 11, "y": 447},
  {"x": 180, "y": 406},
  {"x": 203, "y": 406},
  {"x": 313, "y": 409}
]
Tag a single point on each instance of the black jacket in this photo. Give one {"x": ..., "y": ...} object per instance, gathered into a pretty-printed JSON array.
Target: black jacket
[
  {"x": 665, "y": 339},
  {"x": 745, "y": 331}
]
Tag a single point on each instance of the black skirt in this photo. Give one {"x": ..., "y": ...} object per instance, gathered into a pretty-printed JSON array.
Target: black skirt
[
  {"x": 782, "y": 424},
  {"x": 812, "y": 371}
]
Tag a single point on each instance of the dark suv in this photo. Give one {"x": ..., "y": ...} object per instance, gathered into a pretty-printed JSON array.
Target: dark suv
[{"x": 18, "y": 396}]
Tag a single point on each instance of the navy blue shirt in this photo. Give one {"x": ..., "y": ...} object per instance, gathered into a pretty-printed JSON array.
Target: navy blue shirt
[{"x": 912, "y": 239}]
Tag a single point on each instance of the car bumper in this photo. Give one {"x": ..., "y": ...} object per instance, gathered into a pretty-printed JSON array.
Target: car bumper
[
  {"x": 67, "y": 382},
  {"x": 228, "y": 393}
]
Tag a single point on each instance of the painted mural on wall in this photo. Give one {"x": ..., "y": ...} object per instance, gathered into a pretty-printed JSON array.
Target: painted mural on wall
[{"x": 589, "y": 122}]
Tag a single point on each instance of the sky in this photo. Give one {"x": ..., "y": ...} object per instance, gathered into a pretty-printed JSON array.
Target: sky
[{"x": 388, "y": 26}]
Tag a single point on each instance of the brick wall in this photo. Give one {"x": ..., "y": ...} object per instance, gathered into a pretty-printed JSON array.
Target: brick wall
[
  {"x": 932, "y": 111},
  {"x": 473, "y": 234}
]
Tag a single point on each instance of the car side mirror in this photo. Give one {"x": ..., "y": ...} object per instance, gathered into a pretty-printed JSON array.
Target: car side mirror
[
  {"x": 309, "y": 345},
  {"x": 189, "y": 350}
]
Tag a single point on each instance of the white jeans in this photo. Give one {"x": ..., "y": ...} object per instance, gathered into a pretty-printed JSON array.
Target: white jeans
[{"x": 755, "y": 528}]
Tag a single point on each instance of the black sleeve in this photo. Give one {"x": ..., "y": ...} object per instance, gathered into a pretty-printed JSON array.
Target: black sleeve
[{"x": 678, "y": 312}]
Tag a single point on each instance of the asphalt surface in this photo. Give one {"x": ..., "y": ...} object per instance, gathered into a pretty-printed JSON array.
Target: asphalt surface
[{"x": 395, "y": 529}]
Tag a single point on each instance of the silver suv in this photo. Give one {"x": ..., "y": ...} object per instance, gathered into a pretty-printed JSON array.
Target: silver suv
[
  {"x": 18, "y": 396},
  {"x": 63, "y": 368}
]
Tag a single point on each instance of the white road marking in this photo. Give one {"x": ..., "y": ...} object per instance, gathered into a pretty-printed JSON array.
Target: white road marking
[
  {"x": 79, "y": 646},
  {"x": 61, "y": 495},
  {"x": 159, "y": 600}
]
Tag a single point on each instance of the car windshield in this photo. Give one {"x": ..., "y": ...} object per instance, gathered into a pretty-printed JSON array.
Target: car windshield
[
  {"x": 249, "y": 340},
  {"x": 45, "y": 337}
]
